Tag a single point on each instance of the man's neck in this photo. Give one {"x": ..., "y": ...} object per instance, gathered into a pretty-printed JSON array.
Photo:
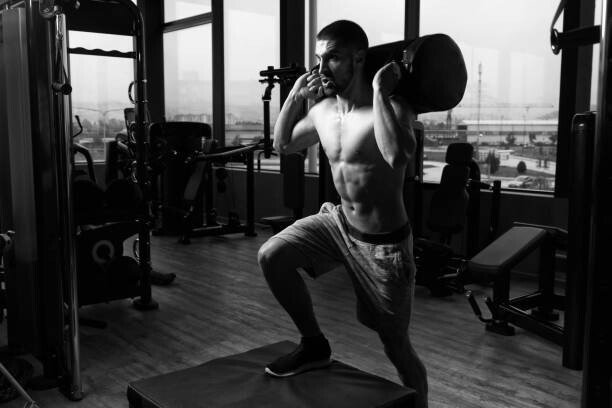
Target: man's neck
[{"x": 356, "y": 95}]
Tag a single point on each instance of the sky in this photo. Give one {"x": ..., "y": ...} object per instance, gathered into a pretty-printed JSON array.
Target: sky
[{"x": 509, "y": 40}]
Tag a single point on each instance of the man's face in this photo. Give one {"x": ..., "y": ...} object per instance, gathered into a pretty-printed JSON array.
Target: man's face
[{"x": 336, "y": 64}]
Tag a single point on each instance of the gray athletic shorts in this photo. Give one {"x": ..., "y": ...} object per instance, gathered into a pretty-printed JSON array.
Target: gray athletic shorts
[{"x": 381, "y": 266}]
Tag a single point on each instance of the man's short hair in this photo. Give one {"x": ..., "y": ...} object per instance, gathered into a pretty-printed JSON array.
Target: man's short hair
[{"x": 346, "y": 33}]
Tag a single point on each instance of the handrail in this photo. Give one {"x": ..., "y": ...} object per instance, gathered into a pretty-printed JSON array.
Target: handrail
[{"x": 229, "y": 153}]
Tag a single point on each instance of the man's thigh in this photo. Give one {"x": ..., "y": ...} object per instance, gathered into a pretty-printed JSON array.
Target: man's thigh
[
  {"x": 311, "y": 243},
  {"x": 384, "y": 284}
]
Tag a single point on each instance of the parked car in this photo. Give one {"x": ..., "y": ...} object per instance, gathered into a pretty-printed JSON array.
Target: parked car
[{"x": 522, "y": 182}]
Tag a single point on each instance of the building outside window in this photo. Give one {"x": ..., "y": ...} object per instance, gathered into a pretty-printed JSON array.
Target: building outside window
[
  {"x": 596, "y": 51},
  {"x": 511, "y": 104},
  {"x": 252, "y": 43},
  {"x": 188, "y": 74}
]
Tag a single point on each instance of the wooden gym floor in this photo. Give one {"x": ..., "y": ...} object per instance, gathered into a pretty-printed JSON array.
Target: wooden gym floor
[{"x": 220, "y": 305}]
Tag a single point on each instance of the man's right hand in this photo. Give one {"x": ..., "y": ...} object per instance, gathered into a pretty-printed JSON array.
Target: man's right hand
[{"x": 309, "y": 86}]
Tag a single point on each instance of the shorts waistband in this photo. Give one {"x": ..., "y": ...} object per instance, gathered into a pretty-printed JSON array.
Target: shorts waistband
[
  {"x": 382, "y": 238},
  {"x": 392, "y": 237}
]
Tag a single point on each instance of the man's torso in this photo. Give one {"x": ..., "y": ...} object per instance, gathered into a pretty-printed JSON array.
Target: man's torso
[{"x": 371, "y": 191}]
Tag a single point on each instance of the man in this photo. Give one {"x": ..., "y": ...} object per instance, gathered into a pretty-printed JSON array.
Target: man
[{"x": 368, "y": 138}]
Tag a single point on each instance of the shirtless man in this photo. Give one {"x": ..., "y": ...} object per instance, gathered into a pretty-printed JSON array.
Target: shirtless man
[{"x": 369, "y": 141}]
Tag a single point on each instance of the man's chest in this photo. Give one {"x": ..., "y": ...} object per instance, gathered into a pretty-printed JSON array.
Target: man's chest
[{"x": 347, "y": 137}]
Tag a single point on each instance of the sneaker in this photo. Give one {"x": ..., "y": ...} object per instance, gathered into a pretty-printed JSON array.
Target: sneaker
[{"x": 301, "y": 359}]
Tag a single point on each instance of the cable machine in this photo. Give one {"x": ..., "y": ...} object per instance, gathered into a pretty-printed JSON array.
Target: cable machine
[
  {"x": 36, "y": 190},
  {"x": 42, "y": 303},
  {"x": 124, "y": 17}
]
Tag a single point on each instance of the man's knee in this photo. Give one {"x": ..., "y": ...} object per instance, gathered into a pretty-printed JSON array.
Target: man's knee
[
  {"x": 275, "y": 255},
  {"x": 267, "y": 255}
]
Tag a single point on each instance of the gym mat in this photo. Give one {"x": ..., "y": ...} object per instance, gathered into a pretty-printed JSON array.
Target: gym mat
[{"x": 239, "y": 381}]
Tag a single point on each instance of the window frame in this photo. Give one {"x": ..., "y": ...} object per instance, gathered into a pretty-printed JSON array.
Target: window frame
[
  {"x": 574, "y": 89},
  {"x": 575, "y": 78}
]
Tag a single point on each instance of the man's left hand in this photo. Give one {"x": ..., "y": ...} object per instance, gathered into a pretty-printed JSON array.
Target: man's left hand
[{"x": 387, "y": 78}]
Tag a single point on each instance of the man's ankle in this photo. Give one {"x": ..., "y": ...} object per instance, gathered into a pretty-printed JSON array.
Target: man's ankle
[
  {"x": 312, "y": 353},
  {"x": 317, "y": 344},
  {"x": 316, "y": 339}
]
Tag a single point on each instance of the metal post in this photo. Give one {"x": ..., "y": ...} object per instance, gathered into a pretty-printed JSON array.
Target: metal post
[
  {"x": 578, "y": 228},
  {"x": 598, "y": 337},
  {"x": 250, "y": 187},
  {"x": 209, "y": 199},
  {"x": 73, "y": 388},
  {"x": 145, "y": 302},
  {"x": 266, "y": 97}
]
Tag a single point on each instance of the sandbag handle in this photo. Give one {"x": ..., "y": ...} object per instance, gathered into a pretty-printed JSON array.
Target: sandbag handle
[{"x": 407, "y": 59}]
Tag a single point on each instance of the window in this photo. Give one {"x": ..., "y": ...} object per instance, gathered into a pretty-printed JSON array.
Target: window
[
  {"x": 100, "y": 89},
  {"x": 188, "y": 74},
  {"x": 178, "y": 9},
  {"x": 382, "y": 22},
  {"x": 251, "y": 40},
  {"x": 510, "y": 107},
  {"x": 596, "y": 50}
]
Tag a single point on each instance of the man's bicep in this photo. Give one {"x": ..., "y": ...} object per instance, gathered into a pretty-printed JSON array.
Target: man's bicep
[
  {"x": 405, "y": 117},
  {"x": 403, "y": 112}
]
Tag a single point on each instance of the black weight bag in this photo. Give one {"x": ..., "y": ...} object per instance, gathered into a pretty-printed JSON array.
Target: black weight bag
[{"x": 434, "y": 75}]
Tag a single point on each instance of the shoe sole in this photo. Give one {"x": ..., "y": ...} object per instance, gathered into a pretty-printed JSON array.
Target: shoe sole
[{"x": 306, "y": 367}]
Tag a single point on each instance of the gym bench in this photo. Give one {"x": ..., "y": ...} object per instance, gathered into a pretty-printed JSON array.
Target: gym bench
[{"x": 535, "y": 311}]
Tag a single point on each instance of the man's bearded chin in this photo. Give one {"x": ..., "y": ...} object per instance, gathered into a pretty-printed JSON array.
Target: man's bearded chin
[{"x": 329, "y": 86}]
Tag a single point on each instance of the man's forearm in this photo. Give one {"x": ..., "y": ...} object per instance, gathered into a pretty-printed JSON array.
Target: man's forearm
[
  {"x": 287, "y": 118},
  {"x": 395, "y": 140}
]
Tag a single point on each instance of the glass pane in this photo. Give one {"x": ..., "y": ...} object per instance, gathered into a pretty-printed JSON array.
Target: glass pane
[
  {"x": 188, "y": 74},
  {"x": 107, "y": 42},
  {"x": 382, "y": 21},
  {"x": 251, "y": 44},
  {"x": 99, "y": 96},
  {"x": 177, "y": 9},
  {"x": 510, "y": 108},
  {"x": 596, "y": 51}
]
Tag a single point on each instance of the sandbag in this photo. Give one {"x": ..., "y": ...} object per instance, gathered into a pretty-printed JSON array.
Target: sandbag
[{"x": 434, "y": 74}]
